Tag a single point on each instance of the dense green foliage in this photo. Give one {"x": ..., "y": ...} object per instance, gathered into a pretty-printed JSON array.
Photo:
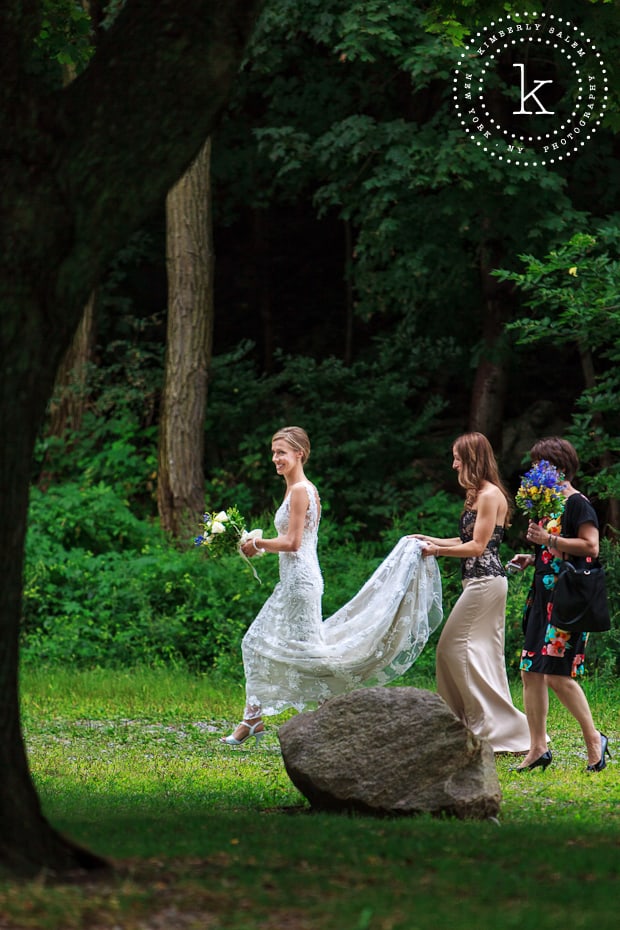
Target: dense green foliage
[
  {"x": 106, "y": 589},
  {"x": 356, "y": 233},
  {"x": 370, "y": 263},
  {"x": 347, "y": 107},
  {"x": 574, "y": 293}
]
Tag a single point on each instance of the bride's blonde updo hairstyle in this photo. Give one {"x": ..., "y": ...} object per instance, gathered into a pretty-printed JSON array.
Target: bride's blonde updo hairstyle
[{"x": 297, "y": 438}]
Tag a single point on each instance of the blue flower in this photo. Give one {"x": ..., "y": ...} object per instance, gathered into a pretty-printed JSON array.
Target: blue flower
[
  {"x": 540, "y": 494},
  {"x": 545, "y": 475}
]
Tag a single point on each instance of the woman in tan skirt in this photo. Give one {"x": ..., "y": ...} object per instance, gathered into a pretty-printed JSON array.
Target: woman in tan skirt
[{"x": 470, "y": 662}]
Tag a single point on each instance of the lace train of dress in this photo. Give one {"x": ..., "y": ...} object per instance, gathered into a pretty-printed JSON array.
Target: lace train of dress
[{"x": 294, "y": 658}]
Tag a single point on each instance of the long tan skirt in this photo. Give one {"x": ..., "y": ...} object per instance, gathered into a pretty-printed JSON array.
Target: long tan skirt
[{"x": 471, "y": 667}]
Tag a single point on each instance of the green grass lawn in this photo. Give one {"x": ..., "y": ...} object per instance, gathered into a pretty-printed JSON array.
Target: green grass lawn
[{"x": 202, "y": 836}]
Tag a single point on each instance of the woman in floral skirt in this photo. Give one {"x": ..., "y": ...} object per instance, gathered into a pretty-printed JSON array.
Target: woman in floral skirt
[{"x": 551, "y": 657}]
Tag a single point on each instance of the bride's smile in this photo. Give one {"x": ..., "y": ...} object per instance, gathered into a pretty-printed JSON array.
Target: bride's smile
[{"x": 284, "y": 458}]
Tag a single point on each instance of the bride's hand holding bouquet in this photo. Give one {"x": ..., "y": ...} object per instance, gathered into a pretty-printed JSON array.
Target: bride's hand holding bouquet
[{"x": 248, "y": 546}]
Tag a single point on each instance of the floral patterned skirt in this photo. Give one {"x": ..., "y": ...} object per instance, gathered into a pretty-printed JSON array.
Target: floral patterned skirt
[{"x": 548, "y": 649}]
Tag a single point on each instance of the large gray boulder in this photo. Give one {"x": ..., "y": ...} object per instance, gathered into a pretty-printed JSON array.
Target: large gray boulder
[{"x": 390, "y": 751}]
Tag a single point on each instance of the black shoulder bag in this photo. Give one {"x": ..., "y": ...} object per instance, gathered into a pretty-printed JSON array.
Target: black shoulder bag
[{"x": 580, "y": 599}]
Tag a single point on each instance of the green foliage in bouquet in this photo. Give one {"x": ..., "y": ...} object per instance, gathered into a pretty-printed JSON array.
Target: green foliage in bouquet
[{"x": 221, "y": 532}]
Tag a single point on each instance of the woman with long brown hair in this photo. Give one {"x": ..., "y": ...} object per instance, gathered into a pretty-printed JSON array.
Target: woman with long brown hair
[{"x": 470, "y": 661}]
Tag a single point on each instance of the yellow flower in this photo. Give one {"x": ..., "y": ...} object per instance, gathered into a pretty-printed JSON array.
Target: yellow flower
[{"x": 573, "y": 271}]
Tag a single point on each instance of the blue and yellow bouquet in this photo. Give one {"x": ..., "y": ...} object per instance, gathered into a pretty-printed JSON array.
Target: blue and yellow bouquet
[{"x": 540, "y": 495}]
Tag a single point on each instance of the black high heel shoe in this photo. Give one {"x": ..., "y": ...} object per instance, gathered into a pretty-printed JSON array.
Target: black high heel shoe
[
  {"x": 544, "y": 760},
  {"x": 600, "y": 765}
]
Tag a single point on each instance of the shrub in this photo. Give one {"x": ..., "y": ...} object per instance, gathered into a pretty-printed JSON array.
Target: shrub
[{"x": 105, "y": 589}]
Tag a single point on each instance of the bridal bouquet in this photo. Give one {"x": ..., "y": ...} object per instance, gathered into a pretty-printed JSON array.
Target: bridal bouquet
[
  {"x": 221, "y": 532},
  {"x": 540, "y": 495},
  {"x": 224, "y": 532}
]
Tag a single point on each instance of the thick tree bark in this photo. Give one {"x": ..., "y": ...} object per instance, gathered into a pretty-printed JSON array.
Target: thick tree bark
[
  {"x": 487, "y": 397},
  {"x": 69, "y": 396},
  {"x": 82, "y": 168},
  {"x": 189, "y": 343},
  {"x": 489, "y": 388},
  {"x": 69, "y": 400},
  {"x": 69, "y": 403}
]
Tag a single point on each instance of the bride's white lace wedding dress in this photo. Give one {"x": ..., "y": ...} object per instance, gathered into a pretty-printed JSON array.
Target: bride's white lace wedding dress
[{"x": 294, "y": 658}]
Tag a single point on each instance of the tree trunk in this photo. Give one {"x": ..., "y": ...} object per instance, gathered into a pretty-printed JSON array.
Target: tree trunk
[
  {"x": 487, "y": 397},
  {"x": 27, "y": 842},
  {"x": 489, "y": 388},
  {"x": 69, "y": 398},
  {"x": 69, "y": 401},
  {"x": 83, "y": 167},
  {"x": 189, "y": 343}
]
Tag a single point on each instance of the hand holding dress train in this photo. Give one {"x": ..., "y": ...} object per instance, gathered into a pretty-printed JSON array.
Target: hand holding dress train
[{"x": 294, "y": 658}]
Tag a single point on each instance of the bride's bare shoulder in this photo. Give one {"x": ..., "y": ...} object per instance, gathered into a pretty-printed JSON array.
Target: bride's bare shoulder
[{"x": 304, "y": 485}]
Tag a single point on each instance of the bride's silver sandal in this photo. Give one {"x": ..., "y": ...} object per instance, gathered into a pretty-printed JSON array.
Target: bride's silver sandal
[{"x": 252, "y": 731}]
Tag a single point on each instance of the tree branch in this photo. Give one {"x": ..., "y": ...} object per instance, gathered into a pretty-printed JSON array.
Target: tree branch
[{"x": 138, "y": 115}]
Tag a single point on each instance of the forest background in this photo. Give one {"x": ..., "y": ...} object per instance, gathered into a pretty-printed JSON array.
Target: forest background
[
  {"x": 297, "y": 249},
  {"x": 341, "y": 257}
]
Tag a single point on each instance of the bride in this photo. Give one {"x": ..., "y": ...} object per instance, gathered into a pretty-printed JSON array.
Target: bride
[{"x": 294, "y": 658}]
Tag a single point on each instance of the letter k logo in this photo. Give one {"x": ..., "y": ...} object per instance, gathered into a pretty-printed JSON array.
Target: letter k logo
[{"x": 532, "y": 93}]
